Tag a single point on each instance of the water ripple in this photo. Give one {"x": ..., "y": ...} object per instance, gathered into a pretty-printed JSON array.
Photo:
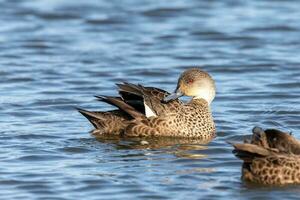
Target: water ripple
[{"x": 57, "y": 54}]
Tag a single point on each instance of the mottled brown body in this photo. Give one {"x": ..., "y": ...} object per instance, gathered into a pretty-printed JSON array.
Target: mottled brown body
[
  {"x": 190, "y": 120},
  {"x": 272, "y": 157}
]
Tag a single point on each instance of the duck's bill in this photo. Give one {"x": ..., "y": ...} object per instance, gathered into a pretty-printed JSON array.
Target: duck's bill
[{"x": 172, "y": 96}]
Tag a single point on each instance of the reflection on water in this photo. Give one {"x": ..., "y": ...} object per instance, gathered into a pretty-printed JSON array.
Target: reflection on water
[
  {"x": 180, "y": 147},
  {"x": 153, "y": 143},
  {"x": 57, "y": 54}
]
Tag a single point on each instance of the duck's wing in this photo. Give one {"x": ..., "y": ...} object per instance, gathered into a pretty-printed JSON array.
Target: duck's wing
[
  {"x": 122, "y": 105},
  {"x": 147, "y": 99},
  {"x": 110, "y": 122}
]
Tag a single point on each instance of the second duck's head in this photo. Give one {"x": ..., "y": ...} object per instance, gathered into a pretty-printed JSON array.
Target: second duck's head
[{"x": 195, "y": 83}]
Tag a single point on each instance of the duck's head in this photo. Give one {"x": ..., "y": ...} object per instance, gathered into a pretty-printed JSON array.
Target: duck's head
[{"x": 195, "y": 83}]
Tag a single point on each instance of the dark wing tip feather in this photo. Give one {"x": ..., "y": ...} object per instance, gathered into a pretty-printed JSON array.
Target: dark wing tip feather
[
  {"x": 83, "y": 111},
  {"x": 100, "y": 97},
  {"x": 77, "y": 108},
  {"x": 121, "y": 104},
  {"x": 121, "y": 84},
  {"x": 106, "y": 98}
]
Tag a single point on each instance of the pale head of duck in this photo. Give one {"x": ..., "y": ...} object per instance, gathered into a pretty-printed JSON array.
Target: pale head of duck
[{"x": 195, "y": 83}]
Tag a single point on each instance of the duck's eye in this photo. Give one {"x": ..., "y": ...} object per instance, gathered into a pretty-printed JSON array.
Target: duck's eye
[{"x": 189, "y": 81}]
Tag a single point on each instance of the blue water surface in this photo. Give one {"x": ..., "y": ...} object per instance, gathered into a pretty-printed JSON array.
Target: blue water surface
[{"x": 57, "y": 54}]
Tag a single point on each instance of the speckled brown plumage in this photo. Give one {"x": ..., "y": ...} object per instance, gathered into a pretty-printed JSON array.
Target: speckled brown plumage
[
  {"x": 271, "y": 157},
  {"x": 190, "y": 120},
  {"x": 172, "y": 118},
  {"x": 110, "y": 122}
]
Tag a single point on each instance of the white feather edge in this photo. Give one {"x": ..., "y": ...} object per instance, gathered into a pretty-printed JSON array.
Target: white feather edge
[{"x": 148, "y": 111}]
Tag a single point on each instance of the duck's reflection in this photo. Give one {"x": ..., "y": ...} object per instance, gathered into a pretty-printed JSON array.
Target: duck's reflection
[
  {"x": 186, "y": 156},
  {"x": 180, "y": 147}
]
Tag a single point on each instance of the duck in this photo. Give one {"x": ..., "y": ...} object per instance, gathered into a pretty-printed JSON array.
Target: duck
[
  {"x": 149, "y": 111},
  {"x": 271, "y": 157}
]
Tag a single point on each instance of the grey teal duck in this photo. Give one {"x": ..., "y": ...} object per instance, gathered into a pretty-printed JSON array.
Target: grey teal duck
[
  {"x": 148, "y": 111},
  {"x": 271, "y": 157}
]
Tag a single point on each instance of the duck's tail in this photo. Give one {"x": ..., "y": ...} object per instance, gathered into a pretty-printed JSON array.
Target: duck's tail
[{"x": 96, "y": 118}]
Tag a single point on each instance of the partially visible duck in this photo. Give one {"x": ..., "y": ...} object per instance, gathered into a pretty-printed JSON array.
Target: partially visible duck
[
  {"x": 148, "y": 111},
  {"x": 272, "y": 157}
]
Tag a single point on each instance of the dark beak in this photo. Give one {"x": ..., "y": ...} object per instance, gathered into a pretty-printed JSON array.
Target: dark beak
[{"x": 172, "y": 96}]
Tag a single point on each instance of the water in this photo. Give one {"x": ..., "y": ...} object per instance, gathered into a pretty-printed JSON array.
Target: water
[{"x": 57, "y": 54}]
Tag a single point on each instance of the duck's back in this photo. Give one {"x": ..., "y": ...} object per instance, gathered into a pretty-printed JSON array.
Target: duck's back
[{"x": 273, "y": 170}]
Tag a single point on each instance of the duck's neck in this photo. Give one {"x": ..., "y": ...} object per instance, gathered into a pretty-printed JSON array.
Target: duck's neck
[{"x": 207, "y": 96}]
